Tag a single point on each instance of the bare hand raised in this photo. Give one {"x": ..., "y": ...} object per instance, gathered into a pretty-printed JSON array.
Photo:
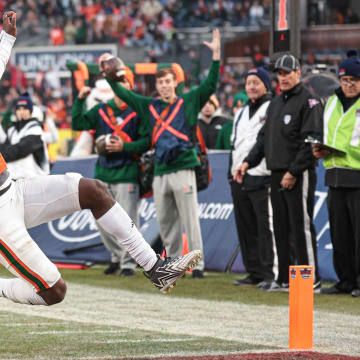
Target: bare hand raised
[
  {"x": 84, "y": 92},
  {"x": 9, "y": 22},
  {"x": 214, "y": 46}
]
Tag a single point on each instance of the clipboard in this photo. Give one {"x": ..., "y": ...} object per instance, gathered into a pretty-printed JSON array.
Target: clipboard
[{"x": 332, "y": 149}]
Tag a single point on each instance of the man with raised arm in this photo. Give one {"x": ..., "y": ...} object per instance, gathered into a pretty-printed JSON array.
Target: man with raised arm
[{"x": 171, "y": 120}]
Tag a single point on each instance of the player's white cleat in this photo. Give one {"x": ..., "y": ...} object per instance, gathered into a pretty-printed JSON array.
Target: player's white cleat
[{"x": 167, "y": 271}]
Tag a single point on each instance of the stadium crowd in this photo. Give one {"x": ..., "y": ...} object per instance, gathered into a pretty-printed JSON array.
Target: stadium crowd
[{"x": 150, "y": 23}]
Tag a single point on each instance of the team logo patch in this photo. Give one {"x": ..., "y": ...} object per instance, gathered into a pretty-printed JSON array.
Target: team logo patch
[
  {"x": 312, "y": 103},
  {"x": 342, "y": 72},
  {"x": 305, "y": 273},
  {"x": 188, "y": 189},
  {"x": 293, "y": 273},
  {"x": 287, "y": 119}
]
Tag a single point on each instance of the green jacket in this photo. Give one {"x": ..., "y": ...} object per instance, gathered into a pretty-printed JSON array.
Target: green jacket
[
  {"x": 194, "y": 100},
  {"x": 223, "y": 138},
  {"x": 89, "y": 120},
  {"x": 342, "y": 131}
]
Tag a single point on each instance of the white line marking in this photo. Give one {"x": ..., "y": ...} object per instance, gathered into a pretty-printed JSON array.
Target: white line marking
[{"x": 170, "y": 315}]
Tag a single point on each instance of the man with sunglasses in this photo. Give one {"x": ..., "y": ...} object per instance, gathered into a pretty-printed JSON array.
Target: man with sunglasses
[{"x": 341, "y": 126}]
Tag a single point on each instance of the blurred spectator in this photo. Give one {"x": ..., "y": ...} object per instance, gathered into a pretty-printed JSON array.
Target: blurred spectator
[
  {"x": 256, "y": 13},
  {"x": 351, "y": 17},
  {"x": 70, "y": 32},
  {"x": 24, "y": 148},
  {"x": 18, "y": 78},
  {"x": 211, "y": 120},
  {"x": 151, "y": 8},
  {"x": 239, "y": 101},
  {"x": 56, "y": 35},
  {"x": 195, "y": 68},
  {"x": 52, "y": 79}
]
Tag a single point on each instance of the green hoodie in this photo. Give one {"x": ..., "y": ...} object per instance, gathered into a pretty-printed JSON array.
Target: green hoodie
[{"x": 194, "y": 100}]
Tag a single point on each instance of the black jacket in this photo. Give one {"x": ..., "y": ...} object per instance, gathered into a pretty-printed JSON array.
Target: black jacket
[
  {"x": 291, "y": 117},
  {"x": 30, "y": 144},
  {"x": 210, "y": 131}
]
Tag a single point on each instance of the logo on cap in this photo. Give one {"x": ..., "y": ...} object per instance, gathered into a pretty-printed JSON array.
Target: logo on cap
[{"x": 342, "y": 72}]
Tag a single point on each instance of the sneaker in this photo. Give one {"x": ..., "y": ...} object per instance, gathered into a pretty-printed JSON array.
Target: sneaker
[
  {"x": 249, "y": 280},
  {"x": 317, "y": 287},
  {"x": 275, "y": 286},
  {"x": 166, "y": 272},
  {"x": 112, "y": 268},
  {"x": 332, "y": 290},
  {"x": 355, "y": 293},
  {"x": 197, "y": 274},
  {"x": 264, "y": 284},
  {"x": 127, "y": 272}
]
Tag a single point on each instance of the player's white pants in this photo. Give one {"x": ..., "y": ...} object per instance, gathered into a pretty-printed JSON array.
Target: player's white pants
[{"x": 28, "y": 203}]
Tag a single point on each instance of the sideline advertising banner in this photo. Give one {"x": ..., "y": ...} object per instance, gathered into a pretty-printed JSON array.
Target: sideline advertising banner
[{"x": 74, "y": 238}]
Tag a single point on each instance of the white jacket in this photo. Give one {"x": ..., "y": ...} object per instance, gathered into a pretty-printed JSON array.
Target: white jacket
[
  {"x": 243, "y": 137},
  {"x": 28, "y": 167}
]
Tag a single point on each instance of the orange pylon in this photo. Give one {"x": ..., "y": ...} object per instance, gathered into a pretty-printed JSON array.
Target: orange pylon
[{"x": 301, "y": 306}]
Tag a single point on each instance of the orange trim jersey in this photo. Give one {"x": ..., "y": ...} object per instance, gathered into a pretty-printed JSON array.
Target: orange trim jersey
[{"x": 3, "y": 165}]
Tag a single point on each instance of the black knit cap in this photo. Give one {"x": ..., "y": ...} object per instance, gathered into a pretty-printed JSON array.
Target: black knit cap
[{"x": 24, "y": 100}]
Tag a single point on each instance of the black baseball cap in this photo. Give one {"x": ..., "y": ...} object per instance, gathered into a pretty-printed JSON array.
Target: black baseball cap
[{"x": 287, "y": 62}]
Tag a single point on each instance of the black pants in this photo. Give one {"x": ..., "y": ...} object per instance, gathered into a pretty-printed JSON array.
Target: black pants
[
  {"x": 256, "y": 238},
  {"x": 344, "y": 210},
  {"x": 293, "y": 223}
]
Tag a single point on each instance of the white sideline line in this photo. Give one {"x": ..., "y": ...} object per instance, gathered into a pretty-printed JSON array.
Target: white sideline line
[
  {"x": 62, "y": 332},
  {"x": 163, "y": 340},
  {"x": 32, "y": 324},
  {"x": 261, "y": 325}
]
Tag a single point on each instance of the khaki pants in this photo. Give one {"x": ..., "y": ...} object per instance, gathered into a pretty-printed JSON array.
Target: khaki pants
[{"x": 176, "y": 203}]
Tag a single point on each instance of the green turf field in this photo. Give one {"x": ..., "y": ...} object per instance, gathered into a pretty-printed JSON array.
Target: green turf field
[{"x": 108, "y": 317}]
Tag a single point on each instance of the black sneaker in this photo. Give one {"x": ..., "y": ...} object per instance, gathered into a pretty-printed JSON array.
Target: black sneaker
[
  {"x": 355, "y": 293},
  {"x": 197, "y": 274},
  {"x": 333, "y": 290},
  {"x": 112, "y": 268},
  {"x": 166, "y": 272},
  {"x": 249, "y": 280},
  {"x": 127, "y": 272}
]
